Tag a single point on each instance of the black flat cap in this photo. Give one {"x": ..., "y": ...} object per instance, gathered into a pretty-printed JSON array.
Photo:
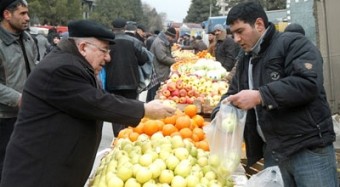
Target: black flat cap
[
  {"x": 141, "y": 27},
  {"x": 119, "y": 23},
  {"x": 4, "y": 4},
  {"x": 87, "y": 28}
]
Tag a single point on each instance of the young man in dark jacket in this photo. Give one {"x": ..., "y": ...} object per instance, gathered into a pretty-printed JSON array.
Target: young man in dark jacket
[
  {"x": 279, "y": 81},
  {"x": 59, "y": 127}
]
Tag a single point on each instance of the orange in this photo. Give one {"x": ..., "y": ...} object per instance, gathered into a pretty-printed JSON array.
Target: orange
[
  {"x": 195, "y": 137},
  {"x": 133, "y": 136},
  {"x": 199, "y": 120},
  {"x": 139, "y": 128},
  {"x": 203, "y": 145},
  {"x": 185, "y": 133},
  {"x": 170, "y": 120},
  {"x": 168, "y": 129},
  {"x": 183, "y": 122},
  {"x": 150, "y": 127},
  {"x": 160, "y": 124},
  {"x": 124, "y": 133},
  {"x": 190, "y": 110},
  {"x": 199, "y": 133}
]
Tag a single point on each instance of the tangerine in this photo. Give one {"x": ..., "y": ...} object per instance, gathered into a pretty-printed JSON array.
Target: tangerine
[
  {"x": 183, "y": 122},
  {"x": 170, "y": 120},
  {"x": 185, "y": 133},
  {"x": 124, "y": 133},
  {"x": 139, "y": 128},
  {"x": 190, "y": 110},
  {"x": 150, "y": 127},
  {"x": 168, "y": 129},
  {"x": 199, "y": 133},
  {"x": 199, "y": 120},
  {"x": 203, "y": 145},
  {"x": 133, "y": 136}
]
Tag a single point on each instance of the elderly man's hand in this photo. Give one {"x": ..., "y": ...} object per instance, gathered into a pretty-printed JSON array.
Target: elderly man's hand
[{"x": 157, "y": 110}]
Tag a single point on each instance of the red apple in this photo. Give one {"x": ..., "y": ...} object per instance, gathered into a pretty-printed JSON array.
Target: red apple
[
  {"x": 190, "y": 100},
  {"x": 182, "y": 92},
  {"x": 166, "y": 92},
  {"x": 175, "y": 98},
  {"x": 171, "y": 86},
  {"x": 182, "y": 100},
  {"x": 188, "y": 87},
  {"x": 179, "y": 84},
  {"x": 175, "y": 93},
  {"x": 191, "y": 93}
]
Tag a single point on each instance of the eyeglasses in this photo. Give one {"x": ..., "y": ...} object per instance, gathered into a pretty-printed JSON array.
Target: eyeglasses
[{"x": 105, "y": 51}]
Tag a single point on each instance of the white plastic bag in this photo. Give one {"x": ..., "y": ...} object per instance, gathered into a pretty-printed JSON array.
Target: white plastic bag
[
  {"x": 269, "y": 177},
  {"x": 225, "y": 137}
]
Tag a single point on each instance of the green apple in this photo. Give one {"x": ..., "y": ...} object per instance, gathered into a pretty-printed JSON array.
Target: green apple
[
  {"x": 183, "y": 168},
  {"x": 171, "y": 162},
  {"x": 192, "y": 180},
  {"x": 132, "y": 182},
  {"x": 181, "y": 153},
  {"x": 115, "y": 181},
  {"x": 214, "y": 160},
  {"x": 178, "y": 181},
  {"x": 155, "y": 170},
  {"x": 124, "y": 173},
  {"x": 143, "y": 175},
  {"x": 229, "y": 123},
  {"x": 210, "y": 175},
  {"x": 202, "y": 161},
  {"x": 166, "y": 176},
  {"x": 146, "y": 159}
]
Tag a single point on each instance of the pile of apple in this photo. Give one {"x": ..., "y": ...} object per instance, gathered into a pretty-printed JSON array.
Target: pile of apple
[
  {"x": 159, "y": 161},
  {"x": 203, "y": 80}
]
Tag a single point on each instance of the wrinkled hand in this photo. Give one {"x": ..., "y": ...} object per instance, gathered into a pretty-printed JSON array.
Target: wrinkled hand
[
  {"x": 157, "y": 110},
  {"x": 245, "y": 99}
]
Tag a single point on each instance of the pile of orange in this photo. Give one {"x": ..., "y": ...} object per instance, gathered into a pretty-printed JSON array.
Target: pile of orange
[{"x": 188, "y": 124}]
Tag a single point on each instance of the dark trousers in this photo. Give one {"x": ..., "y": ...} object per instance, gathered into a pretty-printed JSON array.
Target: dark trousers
[
  {"x": 130, "y": 94},
  {"x": 152, "y": 92},
  {"x": 6, "y": 129}
]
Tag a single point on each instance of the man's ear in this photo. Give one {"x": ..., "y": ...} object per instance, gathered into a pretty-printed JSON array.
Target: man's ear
[
  {"x": 259, "y": 25},
  {"x": 82, "y": 48}
]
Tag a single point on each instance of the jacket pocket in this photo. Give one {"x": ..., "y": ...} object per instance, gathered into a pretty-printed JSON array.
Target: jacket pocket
[{"x": 274, "y": 70}]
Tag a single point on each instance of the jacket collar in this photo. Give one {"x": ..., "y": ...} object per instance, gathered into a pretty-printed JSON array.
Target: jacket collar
[
  {"x": 69, "y": 46},
  {"x": 164, "y": 39},
  {"x": 7, "y": 37},
  {"x": 263, "y": 41}
]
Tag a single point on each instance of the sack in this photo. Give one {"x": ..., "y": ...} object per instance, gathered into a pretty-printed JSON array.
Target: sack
[
  {"x": 225, "y": 137},
  {"x": 269, "y": 177},
  {"x": 147, "y": 74}
]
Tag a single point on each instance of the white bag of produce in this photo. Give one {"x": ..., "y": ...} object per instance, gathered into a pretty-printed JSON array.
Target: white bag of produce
[
  {"x": 225, "y": 137},
  {"x": 269, "y": 177}
]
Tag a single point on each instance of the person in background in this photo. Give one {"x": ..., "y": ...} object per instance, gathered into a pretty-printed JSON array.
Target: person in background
[
  {"x": 185, "y": 39},
  {"x": 212, "y": 43},
  {"x": 163, "y": 59},
  {"x": 226, "y": 49},
  {"x": 18, "y": 57},
  {"x": 150, "y": 39},
  {"x": 295, "y": 27},
  {"x": 140, "y": 33},
  {"x": 43, "y": 44},
  {"x": 197, "y": 45},
  {"x": 53, "y": 45},
  {"x": 59, "y": 126},
  {"x": 279, "y": 82},
  {"x": 130, "y": 29},
  {"x": 122, "y": 75},
  {"x": 51, "y": 33}
]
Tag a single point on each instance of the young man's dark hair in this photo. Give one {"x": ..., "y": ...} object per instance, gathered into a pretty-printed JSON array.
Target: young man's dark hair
[{"x": 248, "y": 13}]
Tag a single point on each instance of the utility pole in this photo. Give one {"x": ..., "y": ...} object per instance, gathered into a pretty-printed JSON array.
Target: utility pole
[{"x": 210, "y": 8}]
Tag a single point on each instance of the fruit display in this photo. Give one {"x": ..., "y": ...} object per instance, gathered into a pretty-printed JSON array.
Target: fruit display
[
  {"x": 171, "y": 152},
  {"x": 198, "y": 79}
]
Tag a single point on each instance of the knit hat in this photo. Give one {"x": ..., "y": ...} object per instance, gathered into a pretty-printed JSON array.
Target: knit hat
[
  {"x": 219, "y": 27},
  {"x": 171, "y": 32},
  {"x": 87, "y": 29},
  {"x": 119, "y": 23}
]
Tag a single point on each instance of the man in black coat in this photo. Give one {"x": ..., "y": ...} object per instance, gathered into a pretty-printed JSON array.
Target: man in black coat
[{"x": 59, "y": 126}]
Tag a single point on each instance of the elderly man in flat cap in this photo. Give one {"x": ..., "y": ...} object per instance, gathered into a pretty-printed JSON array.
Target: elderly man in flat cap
[
  {"x": 18, "y": 55},
  {"x": 56, "y": 137}
]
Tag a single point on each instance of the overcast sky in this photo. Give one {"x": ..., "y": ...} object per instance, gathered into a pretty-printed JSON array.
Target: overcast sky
[{"x": 176, "y": 10}]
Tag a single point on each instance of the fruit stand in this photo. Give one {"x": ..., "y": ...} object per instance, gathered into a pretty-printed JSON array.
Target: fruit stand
[
  {"x": 169, "y": 152},
  {"x": 173, "y": 151}
]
